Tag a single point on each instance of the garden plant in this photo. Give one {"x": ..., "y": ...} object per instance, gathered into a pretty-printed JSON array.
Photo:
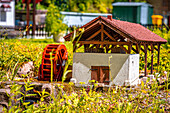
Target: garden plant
[{"x": 147, "y": 97}]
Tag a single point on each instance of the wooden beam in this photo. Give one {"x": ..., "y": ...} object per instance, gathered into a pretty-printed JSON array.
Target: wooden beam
[
  {"x": 155, "y": 48},
  {"x": 90, "y": 26},
  {"x": 134, "y": 50},
  {"x": 149, "y": 49},
  {"x": 74, "y": 46},
  {"x": 109, "y": 36},
  {"x": 34, "y": 23},
  {"x": 158, "y": 54},
  {"x": 102, "y": 35},
  {"x": 152, "y": 49},
  {"x": 146, "y": 48},
  {"x": 93, "y": 46},
  {"x": 129, "y": 48},
  {"x": 138, "y": 47},
  {"x": 95, "y": 34},
  {"x": 142, "y": 50},
  {"x": 27, "y": 17},
  {"x": 119, "y": 32},
  {"x": 79, "y": 46},
  {"x": 104, "y": 42},
  {"x": 107, "y": 48},
  {"x": 124, "y": 48}
]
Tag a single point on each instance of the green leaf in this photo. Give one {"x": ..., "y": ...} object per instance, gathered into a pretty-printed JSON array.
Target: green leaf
[
  {"x": 28, "y": 95},
  {"x": 28, "y": 89}
]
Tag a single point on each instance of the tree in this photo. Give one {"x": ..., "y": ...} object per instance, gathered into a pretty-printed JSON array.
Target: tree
[{"x": 54, "y": 20}]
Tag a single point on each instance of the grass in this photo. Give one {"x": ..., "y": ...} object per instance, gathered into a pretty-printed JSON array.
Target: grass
[{"x": 149, "y": 97}]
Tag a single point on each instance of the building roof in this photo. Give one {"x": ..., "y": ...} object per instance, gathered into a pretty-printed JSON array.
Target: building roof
[
  {"x": 131, "y": 4},
  {"x": 84, "y": 14},
  {"x": 5, "y": 6},
  {"x": 133, "y": 31},
  {"x": 79, "y": 19}
]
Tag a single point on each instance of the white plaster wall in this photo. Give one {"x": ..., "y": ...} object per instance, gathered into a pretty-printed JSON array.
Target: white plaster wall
[
  {"x": 121, "y": 67},
  {"x": 10, "y": 16},
  {"x": 133, "y": 68},
  {"x": 79, "y": 70},
  {"x": 122, "y": 75}
]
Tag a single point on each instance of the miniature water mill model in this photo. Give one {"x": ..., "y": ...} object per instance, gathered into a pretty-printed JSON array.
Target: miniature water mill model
[{"x": 53, "y": 62}]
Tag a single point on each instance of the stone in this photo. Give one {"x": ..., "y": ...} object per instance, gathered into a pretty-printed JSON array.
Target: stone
[
  {"x": 151, "y": 77},
  {"x": 73, "y": 80},
  {"x": 144, "y": 79},
  {"x": 4, "y": 97},
  {"x": 51, "y": 90},
  {"x": 26, "y": 69}
]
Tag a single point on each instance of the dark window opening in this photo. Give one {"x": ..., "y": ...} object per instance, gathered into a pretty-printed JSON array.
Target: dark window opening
[{"x": 3, "y": 16}]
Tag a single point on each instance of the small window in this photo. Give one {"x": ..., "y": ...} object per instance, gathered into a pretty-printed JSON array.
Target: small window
[{"x": 3, "y": 16}]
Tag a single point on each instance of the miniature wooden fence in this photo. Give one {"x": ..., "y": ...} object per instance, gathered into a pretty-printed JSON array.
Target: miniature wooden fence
[{"x": 40, "y": 31}]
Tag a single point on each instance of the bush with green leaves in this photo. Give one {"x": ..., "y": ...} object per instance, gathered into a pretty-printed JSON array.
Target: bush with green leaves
[{"x": 54, "y": 20}]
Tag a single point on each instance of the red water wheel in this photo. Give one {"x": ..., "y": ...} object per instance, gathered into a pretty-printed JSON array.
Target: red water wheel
[{"x": 54, "y": 63}]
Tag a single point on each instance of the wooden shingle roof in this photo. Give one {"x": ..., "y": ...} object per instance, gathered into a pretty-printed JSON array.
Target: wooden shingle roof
[{"x": 133, "y": 31}]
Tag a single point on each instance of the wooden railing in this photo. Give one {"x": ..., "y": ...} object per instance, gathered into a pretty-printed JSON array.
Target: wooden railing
[{"x": 40, "y": 30}]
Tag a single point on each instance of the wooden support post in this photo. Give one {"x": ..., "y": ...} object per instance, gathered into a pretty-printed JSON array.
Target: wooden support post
[
  {"x": 27, "y": 18},
  {"x": 95, "y": 34},
  {"x": 107, "y": 48},
  {"x": 152, "y": 49},
  {"x": 138, "y": 48},
  {"x": 102, "y": 35},
  {"x": 145, "y": 49},
  {"x": 158, "y": 54},
  {"x": 134, "y": 50},
  {"x": 74, "y": 47},
  {"x": 129, "y": 48},
  {"x": 34, "y": 24}
]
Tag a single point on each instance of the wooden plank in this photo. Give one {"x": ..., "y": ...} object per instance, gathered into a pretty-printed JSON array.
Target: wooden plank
[
  {"x": 142, "y": 49},
  {"x": 79, "y": 46},
  {"x": 138, "y": 47},
  {"x": 89, "y": 26},
  {"x": 146, "y": 48},
  {"x": 134, "y": 50},
  {"x": 34, "y": 24},
  {"x": 95, "y": 34},
  {"x": 102, "y": 36},
  {"x": 158, "y": 54},
  {"x": 129, "y": 48},
  {"x": 124, "y": 48},
  {"x": 109, "y": 36},
  {"x": 107, "y": 48},
  {"x": 155, "y": 48},
  {"x": 104, "y": 42},
  {"x": 28, "y": 16},
  {"x": 120, "y": 32},
  {"x": 152, "y": 49},
  {"x": 149, "y": 49},
  {"x": 74, "y": 47}
]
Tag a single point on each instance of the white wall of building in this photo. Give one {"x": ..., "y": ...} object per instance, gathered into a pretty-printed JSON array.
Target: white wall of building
[
  {"x": 10, "y": 15},
  {"x": 124, "y": 68}
]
